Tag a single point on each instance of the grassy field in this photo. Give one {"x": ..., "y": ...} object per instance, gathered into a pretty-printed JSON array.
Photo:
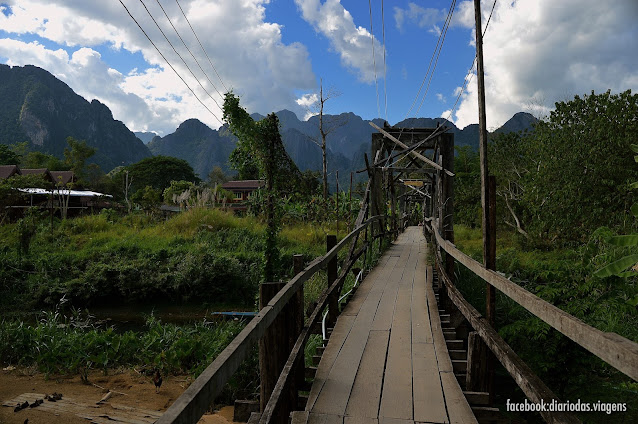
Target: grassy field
[{"x": 56, "y": 274}]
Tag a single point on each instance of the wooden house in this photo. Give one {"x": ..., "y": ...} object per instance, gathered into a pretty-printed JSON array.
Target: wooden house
[{"x": 242, "y": 190}]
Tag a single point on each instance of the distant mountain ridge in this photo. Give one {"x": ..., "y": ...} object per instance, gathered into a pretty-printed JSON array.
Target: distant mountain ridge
[
  {"x": 204, "y": 148},
  {"x": 145, "y": 136},
  {"x": 39, "y": 108}
]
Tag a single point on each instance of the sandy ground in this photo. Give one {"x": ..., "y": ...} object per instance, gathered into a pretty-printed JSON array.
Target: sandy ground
[{"x": 136, "y": 391}]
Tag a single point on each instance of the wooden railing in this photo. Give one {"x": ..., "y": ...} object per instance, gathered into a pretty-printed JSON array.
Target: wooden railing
[
  {"x": 617, "y": 351},
  {"x": 199, "y": 396}
]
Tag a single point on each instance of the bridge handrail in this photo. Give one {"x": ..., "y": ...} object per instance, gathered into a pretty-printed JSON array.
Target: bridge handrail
[
  {"x": 533, "y": 387},
  {"x": 196, "y": 399},
  {"x": 617, "y": 351}
]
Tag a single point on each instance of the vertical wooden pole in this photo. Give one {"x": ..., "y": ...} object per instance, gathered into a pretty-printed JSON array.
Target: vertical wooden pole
[
  {"x": 350, "y": 204},
  {"x": 447, "y": 198},
  {"x": 393, "y": 204},
  {"x": 489, "y": 238},
  {"x": 337, "y": 200},
  {"x": 273, "y": 347},
  {"x": 297, "y": 323},
  {"x": 476, "y": 364},
  {"x": 333, "y": 300},
  {"x": 490, "y": 310}
]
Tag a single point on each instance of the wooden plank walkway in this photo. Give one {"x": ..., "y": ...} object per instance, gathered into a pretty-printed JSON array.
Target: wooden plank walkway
[{"x": 386, "y": 361}]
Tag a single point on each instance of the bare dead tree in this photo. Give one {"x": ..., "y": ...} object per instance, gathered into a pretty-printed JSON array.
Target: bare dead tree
[{"x": 327, "y": 124}]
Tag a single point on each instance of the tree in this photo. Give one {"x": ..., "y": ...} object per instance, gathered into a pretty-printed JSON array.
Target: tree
[
  {"x": 38, "y": 159},
  {"x": 8, "y": 156},
  {"x": 511, "y": 164},
  {"x": 147, "y": 198},
  {"x": 217, "y": 176},
  {"x": 175, "y": 189},
  {"x": 262, "y": 141},
  {"x": 572, "y": 174},
  {"x": 76, "y": 155},
  {"x": 326, "y": 127},
  {"x": 159, "y": 171}
]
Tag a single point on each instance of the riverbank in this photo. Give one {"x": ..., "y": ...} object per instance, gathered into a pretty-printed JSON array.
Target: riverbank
[{"x": 129, "y": 388}]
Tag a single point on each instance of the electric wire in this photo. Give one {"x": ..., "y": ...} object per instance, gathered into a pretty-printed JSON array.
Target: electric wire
[
  {"x": 436, "y": 48},
  {"x": 374, "y": 61},
  {"x": 202, "y": 46},
  {"x": 179, "y": 55},
  {"x": 471, "y": 74},
  {"x": 446, "y": 26},
  {"x": 385, "y": 85},
  {"x": 169, "y": 63},
  {"x": 188, "y": 49}
]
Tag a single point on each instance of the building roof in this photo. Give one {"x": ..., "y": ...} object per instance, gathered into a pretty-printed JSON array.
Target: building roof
[
  {"x": 244, "y": 185},
  {"x": 38, "y": 171},
  {"x": 64, "y": 192},
  {"x": 7, "y": 171},
  {"x": 63, "y": 177}
]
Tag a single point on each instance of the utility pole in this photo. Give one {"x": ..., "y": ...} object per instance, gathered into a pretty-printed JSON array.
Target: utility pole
[{"x": 489, "y": 233}]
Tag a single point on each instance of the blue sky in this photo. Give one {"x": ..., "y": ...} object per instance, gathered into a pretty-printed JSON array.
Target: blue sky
[{"x": 273, "y": 53}]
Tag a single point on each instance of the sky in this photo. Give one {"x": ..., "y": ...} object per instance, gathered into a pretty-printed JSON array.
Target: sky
[{"x": 371, "y": 57}]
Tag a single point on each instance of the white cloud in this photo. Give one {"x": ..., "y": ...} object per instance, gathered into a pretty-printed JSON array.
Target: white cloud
[
  {"x": 353, "y": 43},
  {"x": 307, "y": 100},
  {"x": 540, "y": 52},
  {"x": 247, "y": 51},
  {"x": 423, "y": 17},
  {"x": 440, "y": 97}
]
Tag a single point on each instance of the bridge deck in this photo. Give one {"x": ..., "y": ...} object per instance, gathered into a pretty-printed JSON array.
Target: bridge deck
[{"x": 387, "y": 361}]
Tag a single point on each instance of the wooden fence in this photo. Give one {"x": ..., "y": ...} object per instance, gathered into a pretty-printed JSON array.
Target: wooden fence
[
  {"x": 199, "y": 396},
  {"x": 617, "y": 351}
]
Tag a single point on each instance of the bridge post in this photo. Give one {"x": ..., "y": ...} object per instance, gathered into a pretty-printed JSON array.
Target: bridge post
[
  {"x": 333, "y": 300},
  {"x": 296, "y": 324},
  {"x": 273, "y": 346}
]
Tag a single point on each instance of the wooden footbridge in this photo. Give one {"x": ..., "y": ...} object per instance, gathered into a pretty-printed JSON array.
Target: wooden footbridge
[{"x": 406, "y": 346}]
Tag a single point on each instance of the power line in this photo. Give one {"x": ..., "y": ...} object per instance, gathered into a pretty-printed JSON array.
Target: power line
[
  {"x": 201, "y": 45},
  {"x": 385, "y": 88},
  {"x": 444, "y": 33},
  {"x": 436, "y": 48},
  {"x": 189, "y": 50},
  {"x": 179, "y": 55},
  {"x": 468, "y": 79},
  {"x": 374, "y": 61},
  {"x": 169, "y": 63}
]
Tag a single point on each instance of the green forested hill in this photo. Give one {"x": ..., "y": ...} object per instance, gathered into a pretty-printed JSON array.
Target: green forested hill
[{"x": 37, "y": 107}]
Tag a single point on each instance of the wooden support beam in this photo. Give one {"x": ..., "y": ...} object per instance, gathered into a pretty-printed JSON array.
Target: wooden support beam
[
  {"x": 413, "y": 153},
  {"x": 333, "y": 300},
  {"x": 530, "y": 384},
  {"x": 273, "y": 347},
  {"x": 612, "y": 348}
]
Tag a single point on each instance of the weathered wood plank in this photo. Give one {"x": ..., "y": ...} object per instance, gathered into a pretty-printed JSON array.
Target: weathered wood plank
[
  {"x": 459, "y": 410},
  {"x": 338, "y": 338},
  {"x": 314, "y": 418},
  {"x": 396, "y": 399},
  {"x": 366, "y": 391},
  {"x": 336, "y": 390},
  {"x": 429, "y": 403},
  {"x": 440, "y": 345}
]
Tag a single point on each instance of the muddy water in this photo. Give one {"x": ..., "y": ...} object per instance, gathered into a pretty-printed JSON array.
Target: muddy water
[{"x": 133, "y": 317}]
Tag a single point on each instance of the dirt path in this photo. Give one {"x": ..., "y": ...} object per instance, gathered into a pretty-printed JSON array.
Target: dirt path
[{"x": 138, "y": 391}]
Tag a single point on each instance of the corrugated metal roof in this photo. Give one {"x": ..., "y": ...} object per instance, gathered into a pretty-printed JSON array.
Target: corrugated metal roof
[
  {"x": 64, "y": 192},
  {"x": 244, "y": 185}
]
